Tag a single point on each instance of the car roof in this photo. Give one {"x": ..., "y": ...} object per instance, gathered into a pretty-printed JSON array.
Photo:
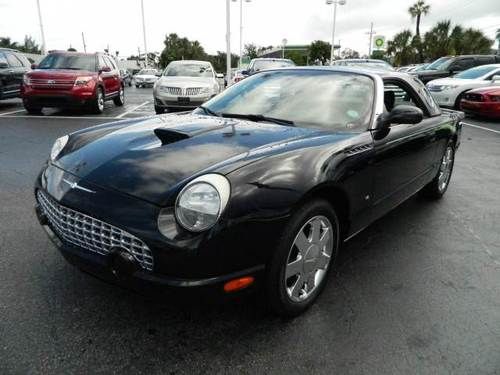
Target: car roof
[
  {"x": 270, "y": 59},
  {"x": 189, "y": 62}
]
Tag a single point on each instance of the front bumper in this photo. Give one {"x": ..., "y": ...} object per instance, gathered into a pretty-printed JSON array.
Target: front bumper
[
  {"x": 75, "y": 97},
  {"x": 182, "y": 102},
  {"x": 487, "y": 109},
  {"x": 184, "y": 260}
]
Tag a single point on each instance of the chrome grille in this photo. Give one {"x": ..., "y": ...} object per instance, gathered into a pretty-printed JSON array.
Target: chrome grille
[
  {"x": 92, "y": 234},
  {"x": 52, "y": 83},
  {"x": 171, "y": 90},
  {"x": 193, "y": 91}
]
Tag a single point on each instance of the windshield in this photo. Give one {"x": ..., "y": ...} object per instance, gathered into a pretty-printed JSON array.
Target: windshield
[
  {"x": 440, "y": 64},
  {"x": 327, "y": 100},
  {"x": 147, "y": 72},
  {"x": 73, "y": 62},
  {"x": 188, "y": 70},
  {"x": 476, "y": 72},
  {"x": 271, "y": 64}
]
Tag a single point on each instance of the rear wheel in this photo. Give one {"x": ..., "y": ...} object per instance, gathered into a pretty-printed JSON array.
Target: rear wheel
[
  {"x": 306, "y": 252},
  {"x": 438, "y": 186},
  {"x": 98, "y": 102},
  {"x": 32, "y": 109},
  {"x": 120, "y": 99}
]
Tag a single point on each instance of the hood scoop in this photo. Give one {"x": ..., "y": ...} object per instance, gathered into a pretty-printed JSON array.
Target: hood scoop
[{"x": 167, "y": 136}]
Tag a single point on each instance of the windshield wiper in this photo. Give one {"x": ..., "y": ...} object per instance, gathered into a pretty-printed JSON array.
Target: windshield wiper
[
  {"x": 257, "y": 118},
  {"x": 208, "y": 111}
]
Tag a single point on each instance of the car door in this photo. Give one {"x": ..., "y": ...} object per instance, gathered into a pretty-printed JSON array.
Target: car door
[
  {"x": 16, "y": 70},
  {"x": 404, "y": 153},
  {"x": 6, "y": 77},
  {"x": 115, "y": 80},
  {"x": 106, "y": 76}
]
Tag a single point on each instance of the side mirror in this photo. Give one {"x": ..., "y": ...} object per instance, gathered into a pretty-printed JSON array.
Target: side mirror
[
  {"x": 105, "y": 69},
  {"x": 3, "y": 65},
  {"x": 245, "y": 72},
  {"x": 219, "y": 75},
  {"x": 401, "y": 114},
  {"x": 496, "y": 78},
  {"x": 34, "y": 66}
]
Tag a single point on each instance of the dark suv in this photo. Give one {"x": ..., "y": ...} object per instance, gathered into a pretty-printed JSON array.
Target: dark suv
[
  {"x": 449, "y": 65},
  {"x": 72, "y": 79},
  {"x": 13, "y": 65}
]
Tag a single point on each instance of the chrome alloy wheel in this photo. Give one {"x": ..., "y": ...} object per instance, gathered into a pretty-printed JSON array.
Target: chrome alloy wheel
[
  {"x": 122, "y": 95},
  {"x": 100, "y": 100},
  {"x": 309, "y": 258},
  {"x": 445, "y": 169}
]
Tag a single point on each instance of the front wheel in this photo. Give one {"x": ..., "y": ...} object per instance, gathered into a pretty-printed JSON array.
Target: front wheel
[
  {"x": 438, "y": 186},
  {"x": 32, "y": 109},
  {"x": 307, "y": 250},
  {"x": 97, "y": 105},
  {"x": 159, "y": 110},
  {"x": 120, "y": 99}
]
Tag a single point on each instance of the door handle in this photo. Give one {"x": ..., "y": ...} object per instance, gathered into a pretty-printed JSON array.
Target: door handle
[{"x": 11, "y": 71}]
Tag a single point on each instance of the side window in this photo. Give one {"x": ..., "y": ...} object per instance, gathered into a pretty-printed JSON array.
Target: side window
[
  {"x": 396, "y": 94},
  {"x": 102, "y": 62},
  {"x": 110, "y": 62},
  {"x": 13, "y": 61},
  {"x": 427, "y": 97},
  {"x": 483, "y": 60},
  {"x": 3, "y": 59},
  {"x": 24, "y": 60},
  {"x": 463, "y": 64}
]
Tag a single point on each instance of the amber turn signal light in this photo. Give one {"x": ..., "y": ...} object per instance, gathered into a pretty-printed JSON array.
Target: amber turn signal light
[{"x": 238, "y": 284}]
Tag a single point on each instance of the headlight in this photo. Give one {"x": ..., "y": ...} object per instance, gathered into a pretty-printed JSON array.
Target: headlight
[
  {"x": 448, "y": 87},
  {"x": 205, "y": 90},
  {"x": 83, "y": 81},
  {"x": 201, "y": 202},
  {"x": 58, "y": 146},
  {"x": 26, "y": 80}
]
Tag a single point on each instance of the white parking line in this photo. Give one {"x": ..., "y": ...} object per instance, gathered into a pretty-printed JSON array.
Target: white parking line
[
  {"x": 133, "y": 109},
  {"x": 481, "y": 127},
  {"x": 11, "y": 112}
]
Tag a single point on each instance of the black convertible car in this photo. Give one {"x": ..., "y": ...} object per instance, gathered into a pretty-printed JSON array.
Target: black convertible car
[{"x": 260, "y": 185}]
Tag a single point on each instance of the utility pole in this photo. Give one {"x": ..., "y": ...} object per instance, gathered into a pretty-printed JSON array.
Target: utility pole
[
  {"x": 228, "y": 41},
  {"x": 371, "y": 32},
  {"x": 44, "y": 46},
  {"x": 84, "y": 45},
  {"x": 144, "y": 34}
]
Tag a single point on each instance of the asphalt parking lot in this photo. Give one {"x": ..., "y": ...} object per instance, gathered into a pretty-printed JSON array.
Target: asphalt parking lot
[{"x": 416, "y": 292}]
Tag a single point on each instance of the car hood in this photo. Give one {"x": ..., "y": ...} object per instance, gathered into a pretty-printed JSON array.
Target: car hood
[
  {"x": 59, "y": 73},
  {"x": 145, "y": 76},
  {"x": 130, "y": 157},
  {"x": 186, "y": 81},
  {"x": 456, "y": 82}
]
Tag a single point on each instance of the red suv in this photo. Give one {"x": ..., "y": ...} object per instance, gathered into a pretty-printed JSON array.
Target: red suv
[{"x": 71, "y": 79}]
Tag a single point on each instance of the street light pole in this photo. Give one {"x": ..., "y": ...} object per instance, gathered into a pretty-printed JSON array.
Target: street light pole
[
  {"x": 284, "y": 41},
  {"x": 371, "y": 32},
  {"x": 228, "y": 41},
  {"x": 144, "y": 34},
  {"x": 44, "y": 46},
  {"x": 335, "y": 3},
  {"x": 241, "y": 30}
]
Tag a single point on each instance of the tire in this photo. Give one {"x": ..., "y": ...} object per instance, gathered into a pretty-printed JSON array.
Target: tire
[
  {"x": 287, "y": 286},
  {"x": 33, "y": 110},
  {"x": 136, "y": 86},
  {"x": 97, "y": 105},
  {"x": 129, "y": 84},
  {"x": 120, "y": 99},
  {"x": 438, "y": 186},
  {"x": 159, "y": 110},
  {"x": 458, "y": 100}
]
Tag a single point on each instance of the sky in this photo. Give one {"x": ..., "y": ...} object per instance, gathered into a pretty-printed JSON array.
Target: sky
[{"x": 118, "y": 23}]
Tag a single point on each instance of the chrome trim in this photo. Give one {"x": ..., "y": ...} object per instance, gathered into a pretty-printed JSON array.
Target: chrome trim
[{"x": 92, "y": 234}]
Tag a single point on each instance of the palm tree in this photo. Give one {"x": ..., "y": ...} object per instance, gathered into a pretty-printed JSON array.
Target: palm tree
[
  {"x": 417, "y": 10},
  {"x": 401, "y": 47}
]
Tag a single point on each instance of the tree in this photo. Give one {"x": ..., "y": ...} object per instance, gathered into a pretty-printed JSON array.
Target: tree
[
  {"x": 177, "y": 48},
  {"x": 319, "y": 51},
  {"x": 348, "y": 53},
  {"x": 497, "y": 37},
  {"x": 219, "y": 61},
  {"x": 250, "y": 51},
  {"x": 438, "y": 41},
  {"x": 402, "y": 48},
  {"x": 29, "y": 46},
  {"x": 298, "y": 57},
  {"x": 71, "y": 49},
  {"x": 416, "y": 11},
  {"x": 5, "y": 42}
]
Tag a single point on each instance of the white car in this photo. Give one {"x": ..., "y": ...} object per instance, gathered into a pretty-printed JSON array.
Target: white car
[
  {"x": 448, "y": 92},
  {"x": 146, "y": 77},
  {"x": 185, "y": 84}
]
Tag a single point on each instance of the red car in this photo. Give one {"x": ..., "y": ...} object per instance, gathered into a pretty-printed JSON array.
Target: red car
[
  {"x": 482, "y": 102},
  {"x": 72, "y": 79}
]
